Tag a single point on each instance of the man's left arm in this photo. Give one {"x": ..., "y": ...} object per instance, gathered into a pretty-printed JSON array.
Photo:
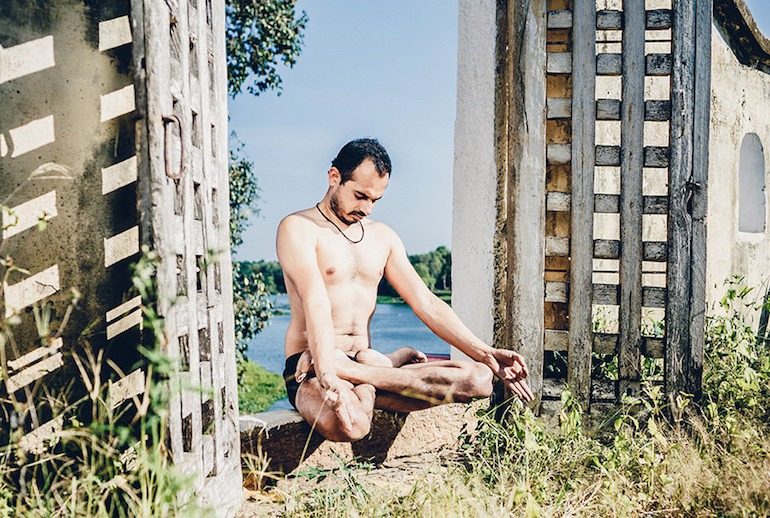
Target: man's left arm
[{"x": 507, "y": 365}]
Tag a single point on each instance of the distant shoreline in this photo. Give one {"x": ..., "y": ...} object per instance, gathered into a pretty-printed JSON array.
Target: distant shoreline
[{"x": 446, "y": 296}]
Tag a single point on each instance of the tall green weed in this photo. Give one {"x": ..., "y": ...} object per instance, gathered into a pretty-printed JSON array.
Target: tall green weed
[
  {"x": 708, "y": 458},
  {"x": 96, "y": 460}
]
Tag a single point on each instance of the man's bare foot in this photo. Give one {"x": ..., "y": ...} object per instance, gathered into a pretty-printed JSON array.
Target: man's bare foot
[
  {"x": 374, "y": 358},
  {"x": 406, "y": 355}
]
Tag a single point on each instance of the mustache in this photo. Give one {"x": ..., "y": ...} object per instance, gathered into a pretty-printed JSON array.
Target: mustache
[{"x": 357, "y": 213}]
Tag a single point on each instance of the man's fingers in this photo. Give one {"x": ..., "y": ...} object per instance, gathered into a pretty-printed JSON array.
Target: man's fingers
[
  {"x": 332, "y": 397},
  {"x": 510, "y": 372},
  {"x": 304, "y": 366},
  {"x": 520, "y": 360},
  {"x": 524, "y": 388},
  {"x": 521, "y": 390},
  {"x": 517, "y": 391}
]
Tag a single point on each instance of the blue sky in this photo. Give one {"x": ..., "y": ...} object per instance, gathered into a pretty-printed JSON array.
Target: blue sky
[
  {"x": 379, "y": 69},
  {"x": 383, "y": 69}
]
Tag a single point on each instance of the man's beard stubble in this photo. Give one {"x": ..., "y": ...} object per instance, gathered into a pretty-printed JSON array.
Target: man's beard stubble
[{"x": 334, "y": 205}]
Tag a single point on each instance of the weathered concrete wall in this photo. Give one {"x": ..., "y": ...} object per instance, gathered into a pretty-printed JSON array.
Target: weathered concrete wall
[
  {"x": 99, "y": 101},
  {"x": 740, "y": 99},
  {"x": 475, "y": 174},
  {"x": 67, "y": 155}
]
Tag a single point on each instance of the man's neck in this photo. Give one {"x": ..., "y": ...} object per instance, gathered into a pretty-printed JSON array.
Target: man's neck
[{"x": 326, "y": 210}]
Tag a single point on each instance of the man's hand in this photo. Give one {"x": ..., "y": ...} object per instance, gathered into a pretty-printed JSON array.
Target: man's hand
[
  {"x": 337, "y": 394},
  {"x": 509, "y": 366}
]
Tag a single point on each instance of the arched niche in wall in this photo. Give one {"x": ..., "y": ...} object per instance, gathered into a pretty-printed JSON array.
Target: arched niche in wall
[{"x": 751, "y": 186}]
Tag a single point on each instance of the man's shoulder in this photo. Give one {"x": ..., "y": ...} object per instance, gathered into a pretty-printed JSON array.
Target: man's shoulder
[
  {"x": 299, "y": 219},
  {"x": 383, "y": 231}
]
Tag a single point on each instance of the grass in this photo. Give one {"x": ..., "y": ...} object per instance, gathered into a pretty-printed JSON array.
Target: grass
[
  {"x": 649, "y": 458},
  {"x": 258, "y": 388},
  {"x": 99, "y": 459}
]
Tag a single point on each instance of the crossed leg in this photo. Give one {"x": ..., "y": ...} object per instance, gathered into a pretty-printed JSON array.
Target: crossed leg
[{"x": 404, "y": 388}]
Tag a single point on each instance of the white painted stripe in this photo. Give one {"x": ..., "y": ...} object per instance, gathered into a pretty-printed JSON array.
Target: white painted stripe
[
  {"x": 118, "y": 175},
  {"x": 114, "y": 33},
  {"x": 3, "y": 146},
  {"x": 32, "y": 135},
  {"x": 35, "y": 441},
  {"x": 117, "y": 103},
  {"x": 26, "y": 215},
  {"x": 34, "y": 373},
  {"x": 34, "y": 355},
  {"x": 124, "y": 324},
  {"x": 26, "y": 58},
  {"x": 123, "y": 308},
  {"x": 32, "y": 289},
  {"x": 120, "y": 246},
  {"x": 129, "y": 386}
]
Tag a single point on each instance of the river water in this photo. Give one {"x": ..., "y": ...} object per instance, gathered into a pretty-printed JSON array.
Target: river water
[{"x": 392, "y": 326}]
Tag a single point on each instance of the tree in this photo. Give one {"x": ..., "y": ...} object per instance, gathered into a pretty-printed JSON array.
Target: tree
[
  {"x": 423, "y": 271},
  {"x": 444, "y": 274},
  {"x": 260, "y": 35},
  {"x": 251, "y": 304},
  {"x": 244, "y": 193}
]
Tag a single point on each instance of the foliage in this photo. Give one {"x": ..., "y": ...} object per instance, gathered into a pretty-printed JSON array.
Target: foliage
[
  {"x": 259, "y": 36},
  {"x": 260, "y": 388},
  {"x": 98, "y": 459},
  {"x": 703, "y": 461},
  {"x": 244, "y": 193},
  {"x": 251, "y": 304},
  {"x": 271, "y": 272},
  {"x": 437, "y": 268},
  {"x": 737, "y": 364},
  {"x": 434, "y": 268}
]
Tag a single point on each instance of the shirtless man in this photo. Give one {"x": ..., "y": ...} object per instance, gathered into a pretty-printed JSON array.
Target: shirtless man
[{"x": 333, "y": 258}]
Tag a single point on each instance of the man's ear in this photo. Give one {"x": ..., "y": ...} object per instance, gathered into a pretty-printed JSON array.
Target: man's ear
[{"x": 335, "y": 177}]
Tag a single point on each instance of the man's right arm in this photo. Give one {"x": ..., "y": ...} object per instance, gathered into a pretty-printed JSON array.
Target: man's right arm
[{"x": 296, "y": 248}]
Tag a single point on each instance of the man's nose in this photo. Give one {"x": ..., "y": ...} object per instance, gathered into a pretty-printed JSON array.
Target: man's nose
[{"x": 367, "y": 206}]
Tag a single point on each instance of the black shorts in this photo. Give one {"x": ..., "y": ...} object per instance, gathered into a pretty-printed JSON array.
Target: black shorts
[{"x": 288, "y": 377}]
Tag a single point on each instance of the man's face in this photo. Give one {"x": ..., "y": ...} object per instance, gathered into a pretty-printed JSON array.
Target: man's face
[{"x": 355, "y": 199}]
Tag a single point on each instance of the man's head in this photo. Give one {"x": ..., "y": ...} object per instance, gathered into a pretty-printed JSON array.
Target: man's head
[
  {"x": 357, "y": 179},
  {"x": 356, "y": 151}
]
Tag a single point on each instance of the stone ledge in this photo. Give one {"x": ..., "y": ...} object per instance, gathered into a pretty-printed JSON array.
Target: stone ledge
[{"x": 288, "y": 441}]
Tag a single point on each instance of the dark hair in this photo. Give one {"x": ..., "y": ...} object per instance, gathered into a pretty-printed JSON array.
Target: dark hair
[{"x": 356, "y": 151}]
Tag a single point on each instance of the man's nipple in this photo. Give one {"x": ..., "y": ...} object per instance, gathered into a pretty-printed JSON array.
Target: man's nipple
[{"x": 330, "y": 271}]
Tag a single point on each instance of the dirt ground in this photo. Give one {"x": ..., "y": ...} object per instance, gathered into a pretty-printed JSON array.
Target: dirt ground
[{"x": 272, "y": 502}]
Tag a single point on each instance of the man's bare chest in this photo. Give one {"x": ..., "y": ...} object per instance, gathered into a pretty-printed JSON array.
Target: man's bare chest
[{"x": 341, "y": 262}]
